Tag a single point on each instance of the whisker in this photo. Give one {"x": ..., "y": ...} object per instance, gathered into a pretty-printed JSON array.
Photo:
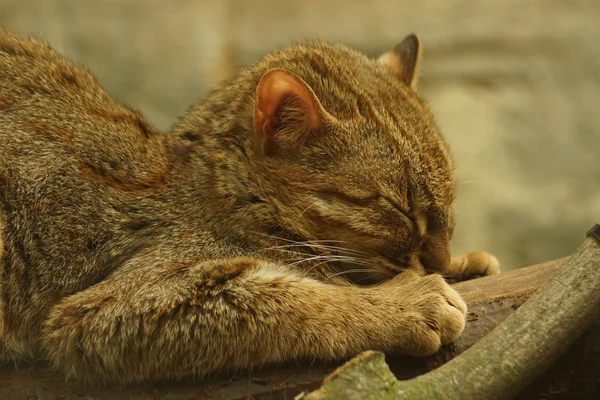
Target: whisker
[
  {"x": 327, "y": 258},
  {"x": 295, "y": 241},
  {"x": 315, "y": 266},
  {"x": 330, "y": 248},
  {"x": 350, "y": 271},
  {"x": 315, "y": 243},
  {"x": 303, "y": 211},
  {"x": 294, "y": 255},
  {"x": 351, "y": 261},
  {"x": 283, "y": 249}
]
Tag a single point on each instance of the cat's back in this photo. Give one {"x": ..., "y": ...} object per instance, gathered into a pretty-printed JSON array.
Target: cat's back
[{"x": 53, "y": 111}]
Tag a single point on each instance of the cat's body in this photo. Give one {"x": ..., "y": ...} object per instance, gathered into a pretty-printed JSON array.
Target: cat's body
[{"x": 237, "y": 239}]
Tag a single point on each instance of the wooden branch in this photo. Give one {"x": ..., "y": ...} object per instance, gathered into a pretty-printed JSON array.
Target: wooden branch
[
  {"x": 505, "y": 361},
  {"x": 491, "y": 300}
]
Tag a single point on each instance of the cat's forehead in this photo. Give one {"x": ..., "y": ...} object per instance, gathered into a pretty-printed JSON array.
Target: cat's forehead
[
  {"x": 385, "y": 130},
  {"x": 419, "y": 167},
  {"x": 341, "y": 77},
  {"x": 325, "y": 59}
]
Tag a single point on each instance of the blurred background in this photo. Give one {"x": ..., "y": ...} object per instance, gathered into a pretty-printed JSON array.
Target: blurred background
[{"x": 515, "y": 87}]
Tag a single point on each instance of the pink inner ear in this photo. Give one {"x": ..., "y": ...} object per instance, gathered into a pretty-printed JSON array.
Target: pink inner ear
[{"x": 274, "y": 91}]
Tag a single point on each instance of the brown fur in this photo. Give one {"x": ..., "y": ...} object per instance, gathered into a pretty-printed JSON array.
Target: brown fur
[{"x": 243, "y": 237}]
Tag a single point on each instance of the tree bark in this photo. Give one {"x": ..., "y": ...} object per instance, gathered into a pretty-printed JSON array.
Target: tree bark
[
  {"x": 491, "y": 300},
  {"x": 505, "y": 361}
]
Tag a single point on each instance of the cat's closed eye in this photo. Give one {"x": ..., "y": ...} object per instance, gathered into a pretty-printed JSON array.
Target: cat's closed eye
[
  {"x": 355, "y": 198},
  {"x": 369, "y": 213},
  {"x": 395, "y": 205}
]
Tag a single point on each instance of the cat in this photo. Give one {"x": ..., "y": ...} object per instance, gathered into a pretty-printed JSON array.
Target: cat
[{"x": 302, "y": 211}]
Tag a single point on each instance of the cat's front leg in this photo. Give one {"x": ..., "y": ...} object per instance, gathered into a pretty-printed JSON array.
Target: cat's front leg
[{"x": 171, "y": 320}]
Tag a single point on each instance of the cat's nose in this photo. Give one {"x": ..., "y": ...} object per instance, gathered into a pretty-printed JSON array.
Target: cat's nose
[{"x": 435, "y": 254}]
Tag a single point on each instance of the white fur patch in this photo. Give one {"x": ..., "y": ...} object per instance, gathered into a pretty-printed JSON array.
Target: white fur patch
[{"x": 421, "y": 221}]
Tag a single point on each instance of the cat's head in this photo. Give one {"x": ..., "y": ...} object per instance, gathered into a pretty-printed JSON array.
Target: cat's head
[{"x": 351, "y": 156}]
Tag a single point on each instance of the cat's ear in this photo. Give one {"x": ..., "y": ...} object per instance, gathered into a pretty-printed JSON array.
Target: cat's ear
[
  {"x": 404, "y": 60},
  {"x": 286, "y": 112}
]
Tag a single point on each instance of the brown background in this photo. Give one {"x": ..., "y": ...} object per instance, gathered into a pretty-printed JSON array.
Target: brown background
[{"x": 515, "y": 87}]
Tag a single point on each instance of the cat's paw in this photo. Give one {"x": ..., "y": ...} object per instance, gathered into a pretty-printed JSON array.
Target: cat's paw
[
  {"x": 433, "y": 314},
  {"x": 472, "y": 265}
]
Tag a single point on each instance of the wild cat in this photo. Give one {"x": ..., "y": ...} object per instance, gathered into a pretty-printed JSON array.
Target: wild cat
[{"x": 297, "y": 213}]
